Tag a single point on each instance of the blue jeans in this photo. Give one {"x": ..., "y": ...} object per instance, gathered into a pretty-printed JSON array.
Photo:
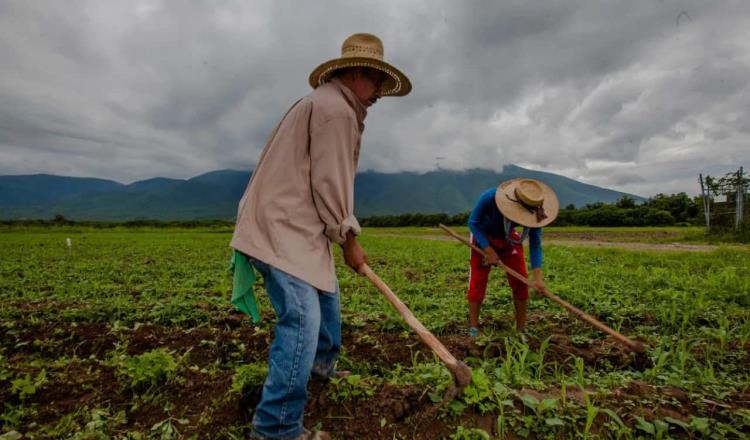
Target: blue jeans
[{"x": 307, "y": 339}]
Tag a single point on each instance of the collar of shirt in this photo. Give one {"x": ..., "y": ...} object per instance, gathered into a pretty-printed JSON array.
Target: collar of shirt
[{"x": 359, "y": 109}]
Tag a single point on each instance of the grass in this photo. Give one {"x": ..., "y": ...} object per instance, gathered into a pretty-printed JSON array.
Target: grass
[{"x": 651, "y": 235}]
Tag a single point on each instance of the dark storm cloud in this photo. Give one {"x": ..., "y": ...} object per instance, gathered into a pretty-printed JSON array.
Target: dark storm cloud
[{"x": 640, "y": 96}]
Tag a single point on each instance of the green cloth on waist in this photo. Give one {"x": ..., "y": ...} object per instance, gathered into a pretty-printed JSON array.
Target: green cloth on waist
[{"x": 243, "y": 296}]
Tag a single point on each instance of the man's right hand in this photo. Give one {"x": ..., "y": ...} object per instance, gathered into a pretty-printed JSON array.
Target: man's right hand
[
  {"x": 354, "y": 255},
  {"x": 491, "y": 257}
]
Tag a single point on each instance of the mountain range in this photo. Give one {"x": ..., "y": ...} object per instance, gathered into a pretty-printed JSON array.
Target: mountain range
[{"x": 215, "y": 195}]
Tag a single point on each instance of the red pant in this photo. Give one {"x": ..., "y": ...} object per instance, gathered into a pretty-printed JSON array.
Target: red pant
[{"x": 511, "y": 255}]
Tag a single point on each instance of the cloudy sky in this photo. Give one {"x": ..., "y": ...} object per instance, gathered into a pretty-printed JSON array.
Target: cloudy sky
[{"x": 638, "y": 96}]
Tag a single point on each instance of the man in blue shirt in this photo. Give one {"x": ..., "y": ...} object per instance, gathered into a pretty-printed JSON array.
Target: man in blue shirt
[{"x": 519, "y": 202}]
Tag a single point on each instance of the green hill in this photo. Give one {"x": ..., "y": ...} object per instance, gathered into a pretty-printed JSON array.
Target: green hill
[{"x": 215, "y": 195}]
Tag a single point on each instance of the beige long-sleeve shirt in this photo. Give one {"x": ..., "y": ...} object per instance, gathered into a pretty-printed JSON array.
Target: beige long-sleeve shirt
[{"x": 301, "y": 195}]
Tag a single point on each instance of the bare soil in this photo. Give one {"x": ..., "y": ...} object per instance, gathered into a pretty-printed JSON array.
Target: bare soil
[{"x": 201, "y": 394}]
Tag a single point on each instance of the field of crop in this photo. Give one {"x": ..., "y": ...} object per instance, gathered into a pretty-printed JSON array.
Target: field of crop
[{"x": 129, "y": 334}]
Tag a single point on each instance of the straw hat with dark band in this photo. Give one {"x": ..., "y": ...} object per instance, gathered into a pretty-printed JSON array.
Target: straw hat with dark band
[
  {"x": 527, "y": 202},
  {"x": 364, "y": 50}
]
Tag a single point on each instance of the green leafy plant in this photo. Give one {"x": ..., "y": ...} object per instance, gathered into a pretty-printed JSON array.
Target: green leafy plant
[
  {"x": 13, "y": 416},
  {"x": 657, "y": 428},
  {"x": 469, "y": 434},
  {"x": 700, "y": 425},
  {"x": 616, "y": 425},
  {"x": 27, "y": 386},
  {"x": 538, "y": 358},
  {"x": 501, "y": 418},
  {"x": 479, "y": 392},
  {"x": 148, "y": 370},
  {"x": 4, "y": 372},
  {"x": 546, "y": 418},
  {"x": 352, "y": 387},
  {"x": 580, "y": 370},
  {"x": 249, "y": 376},
  {"x": 100, "y": 420},
  {"x": 591, "y": 413},
  {"x": 521, "y": 365},
  {"x": 166, "y": 429},
  {"x": 482, "y": 393}
]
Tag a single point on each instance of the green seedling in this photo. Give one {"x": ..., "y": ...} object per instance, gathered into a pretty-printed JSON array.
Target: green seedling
[
  {"x": 469, "y": 434},
  {"x": 26, "y": 386},
  {"x": 616, "y": 425},
  {"x": 541, "y": 408},
  {"x": 501, "y": 419},
  {"x": 249, "y": 376},
  {"x": 148, "y": 370},
  {"x": 352, "y": 387}
]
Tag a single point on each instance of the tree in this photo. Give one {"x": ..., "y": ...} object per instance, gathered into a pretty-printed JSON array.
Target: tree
[
  {"x": 626, "y": 202},
  {"x": 680, "y": 206},
  {"x": 60, "y": 219}
]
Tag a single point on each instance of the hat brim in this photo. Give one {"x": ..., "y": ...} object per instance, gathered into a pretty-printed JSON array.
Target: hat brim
[
  {"x": 515, "y": 212},
  {"x": 396, "y": 83}
]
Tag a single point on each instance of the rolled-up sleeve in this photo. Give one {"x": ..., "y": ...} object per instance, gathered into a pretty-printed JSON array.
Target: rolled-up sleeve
[{"x": 332, "y": 168}]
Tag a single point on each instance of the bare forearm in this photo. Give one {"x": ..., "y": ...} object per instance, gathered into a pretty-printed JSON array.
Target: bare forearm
[
  {"x": 538, "y": 280},
  {"x": 537, "y": 272}
]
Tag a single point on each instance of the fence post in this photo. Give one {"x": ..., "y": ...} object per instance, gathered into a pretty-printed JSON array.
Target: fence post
[
  {"x": 706, "y": 203},
  {"x": 740, "y": 208}
]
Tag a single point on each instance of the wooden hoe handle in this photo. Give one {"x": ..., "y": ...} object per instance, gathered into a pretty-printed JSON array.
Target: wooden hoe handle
[
  {"x": 580, "y": 314},
  {"x": 461, "y": 372}
]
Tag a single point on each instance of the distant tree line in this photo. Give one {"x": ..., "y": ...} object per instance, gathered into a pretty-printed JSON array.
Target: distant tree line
[
  {"x": 61, "y": 220},
  {"x": 383, "y": 221},
  {"x": 660, "y": 210}
]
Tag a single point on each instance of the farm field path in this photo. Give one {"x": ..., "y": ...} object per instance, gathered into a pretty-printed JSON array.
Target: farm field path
[{"x": 582, "y": 242}]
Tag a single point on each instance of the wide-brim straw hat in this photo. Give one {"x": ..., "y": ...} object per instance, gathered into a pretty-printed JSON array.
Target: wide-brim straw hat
[
  {"x": 527, "y": 202},
  {"x": 364, "y": 50}
]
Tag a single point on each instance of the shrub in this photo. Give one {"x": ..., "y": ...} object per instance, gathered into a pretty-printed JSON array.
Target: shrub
[{"x": 658, "y": 217}]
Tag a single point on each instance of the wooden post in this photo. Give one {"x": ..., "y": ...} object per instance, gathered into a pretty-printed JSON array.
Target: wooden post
[
  {"x": 706, "y": 202},
  {"x": 740, "y": 195}
]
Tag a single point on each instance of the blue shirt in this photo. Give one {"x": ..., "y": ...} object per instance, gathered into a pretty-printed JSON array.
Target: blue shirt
[{"x": 487, "y": 221}]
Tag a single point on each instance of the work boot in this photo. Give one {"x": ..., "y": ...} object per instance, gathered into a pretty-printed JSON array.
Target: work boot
[
  {"x": 317, "y": 435},
  {"x": 306, "y": 435},
  {"x": 337, "y": 374},
  {"x": 342, "y": 373}
]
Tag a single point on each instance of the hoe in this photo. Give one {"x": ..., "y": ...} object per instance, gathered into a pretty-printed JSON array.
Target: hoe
[
  {"x": 580, "y": 314},
  {"x": 460, "y": 371}
]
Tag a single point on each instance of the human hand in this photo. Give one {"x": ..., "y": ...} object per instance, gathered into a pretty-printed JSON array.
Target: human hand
[
  {"x": 490, "y": 256},
  {"x": 537, "y": 283},
  {"x": 354, "y": 256}
]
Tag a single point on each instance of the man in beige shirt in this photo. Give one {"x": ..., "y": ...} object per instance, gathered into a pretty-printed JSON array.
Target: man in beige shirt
[{"x": 301, "y": 199}]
